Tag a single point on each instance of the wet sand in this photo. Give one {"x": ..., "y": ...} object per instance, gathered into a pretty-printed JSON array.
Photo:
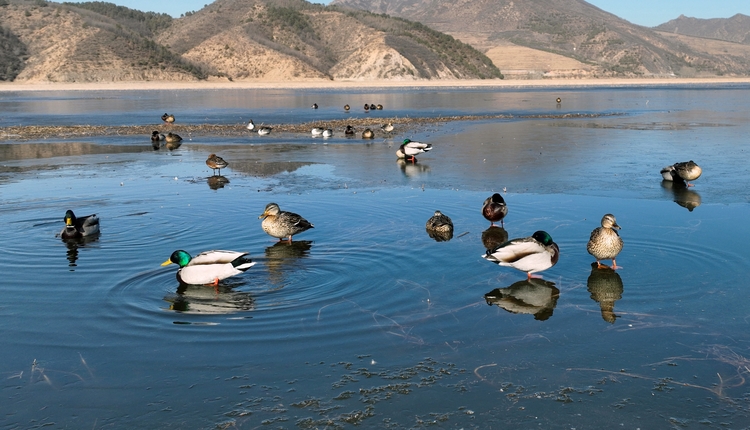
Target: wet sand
[{"x": 339, "y": 85}]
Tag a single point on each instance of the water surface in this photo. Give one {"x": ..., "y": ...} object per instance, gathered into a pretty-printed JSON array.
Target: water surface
[{"x": 366, "y": 320}]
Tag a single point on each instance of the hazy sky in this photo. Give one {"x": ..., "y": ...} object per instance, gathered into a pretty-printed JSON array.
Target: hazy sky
[{"x": 643, "y": 12}]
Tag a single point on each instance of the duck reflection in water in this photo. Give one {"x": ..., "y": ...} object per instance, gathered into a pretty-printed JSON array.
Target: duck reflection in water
[
  {"x": 494, "y": 237},
  {"x": 216, "y": 182},
  {"x": 412, "y": 170},
  {"x": 73, "y": 244},
  {"x": 605, "y": 286},
  {"x": 198, "y": 299},
  {"x": 682, "y": 195},
  {"x": 282, "y": 254},
  {"x": 531, "y": 296}
]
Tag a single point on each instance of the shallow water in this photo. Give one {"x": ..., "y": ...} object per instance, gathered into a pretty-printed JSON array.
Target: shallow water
[{"x": 366, "y": 320}]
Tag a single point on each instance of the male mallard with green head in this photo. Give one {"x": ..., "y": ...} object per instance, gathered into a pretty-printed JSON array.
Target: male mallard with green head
[
  {"x": 281, "y": 224},
  {"x": 530, "y": 254},
  {"x": 76, "y": 228},
  {"x": 605, "y": 243},
  {"x": 209, "y": 267},
  {"x": 494, "y": 209},
  {"x": 410, "y": 148}
]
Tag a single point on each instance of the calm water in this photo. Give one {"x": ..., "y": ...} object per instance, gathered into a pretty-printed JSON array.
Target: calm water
[{"x": 365, "y": 320}]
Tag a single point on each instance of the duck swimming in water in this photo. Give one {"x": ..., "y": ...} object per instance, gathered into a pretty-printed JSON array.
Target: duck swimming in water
[
  {"x": 168, "y": 118},
  {"x": 76, "y": 228},
  {"x": 209, "y": 267}
]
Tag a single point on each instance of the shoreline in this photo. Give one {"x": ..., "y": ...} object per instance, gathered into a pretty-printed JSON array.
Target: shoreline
[{"x": 378, "y": 84}]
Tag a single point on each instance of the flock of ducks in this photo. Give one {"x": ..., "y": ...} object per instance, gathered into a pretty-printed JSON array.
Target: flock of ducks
[{"x": 532, "y": 254}]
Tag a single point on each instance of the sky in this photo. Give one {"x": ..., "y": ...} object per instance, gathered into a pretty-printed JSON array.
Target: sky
[{"x": 649, "y": 13}]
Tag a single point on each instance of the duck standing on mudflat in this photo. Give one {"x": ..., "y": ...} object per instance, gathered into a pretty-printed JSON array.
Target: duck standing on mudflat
[
  {"x": 168, "y": 118},
  {"x": 605, "y": 243},
  {"x": 494, "y": 209},
  {"x": 209, "y": 267},
  {"x": 264, "y": 130},
  {"x": 251, "y": 125},
  {"x": 529, "y": 254},
  {"x": 76, "y": 228},
  {"x": 281, "y": 224},
  {"x": 409, "y": 149},
  {"x": 368, "y": 134},
  {"x": 684, "y": 171},
  {"x": 215, "y": 162}
]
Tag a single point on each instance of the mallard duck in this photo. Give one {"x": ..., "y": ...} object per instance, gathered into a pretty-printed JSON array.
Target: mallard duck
[
  {"x": 264, "y": 130},
  {"x": 215, "y": 162},
  {"x": 172, "y": 138},
  {"x": 387, "y": 127},
  {"x": 349, "y": 130},
  {"x": 156, "y": 136},
  {"x": 372, "y": 106},
  {"x": 531, "y": 296},
  {"x": 685, "y": 171},
  {"x": 410, "y": 148},
  {"x": 168, "y": 118},
  {"x": 530, "y": 254},
  {"x": 346, "y": 107},
  {"x": 76, "y": 228},
  {"x": 251, "y": 125},
  {"x": 316, "y": 131},
  {"x": 379, "y": 107},
  {"x": 367, "y": 107},
  {"x": 209, "y": 267},
  {"x": 368, "y": 134},
  {"x": 439, "y": 227},
  {"x": 327, "y": 132},
  {"x": 494, "y": 209},
  {"x": 559, "y": 100},
  {"x": 281, "y": 224},
  {"x": 605, "y": 243},
  {"x": 314, "y": 106}
]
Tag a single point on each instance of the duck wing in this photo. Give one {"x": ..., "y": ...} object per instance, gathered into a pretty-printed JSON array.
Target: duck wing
[
  {"x": 215, "y": 257},
  {"x": 514, "y": 250}
]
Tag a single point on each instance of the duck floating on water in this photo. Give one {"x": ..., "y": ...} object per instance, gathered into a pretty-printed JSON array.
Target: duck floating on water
[
  {"x": 76, "y": 228},
  {"x": 346, "y": 108},
  {"x": 209, "y": 267},
  {"x": 529, "y": 254},
  {"x": 494, "y": 209},
  {"x": 327, "y": 132},
  {"x": 440, "y": 227},
  {"x": 168, "y": 118},
  {"x": 368, "y": 134},
  {"x": 379, "y": 107},
  {"x": 316, "y": 131},
  {"x": 605, "y": 243},
  {"x": 349, "y": 131},
  {"x": 387, "y": 127},
  {"x": 410, "y": 148},
  {"x": 281, "y": 224},
  {"x": 215, "y": 162},
  {"x": 684, "y": 171}
]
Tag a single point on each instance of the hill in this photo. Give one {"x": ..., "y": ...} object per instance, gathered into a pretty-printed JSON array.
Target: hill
[
  {"x": 734, "y": 29},
  {"x": 603, "y": 44},
  {"x": 44, "y": 41}
]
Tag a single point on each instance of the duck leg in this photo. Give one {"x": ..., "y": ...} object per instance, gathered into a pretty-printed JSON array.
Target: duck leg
[{"x": 614, "y": 265}]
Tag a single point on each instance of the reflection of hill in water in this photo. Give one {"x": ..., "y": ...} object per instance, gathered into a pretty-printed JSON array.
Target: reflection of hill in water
[
  {"x": 534, "y": 297},
  {"x": 25, "y": 151},
  {"x": 209, "y": 300},
  {"x": 605, "y": 286}
]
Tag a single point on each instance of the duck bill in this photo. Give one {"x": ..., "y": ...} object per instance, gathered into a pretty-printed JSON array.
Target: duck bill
[
  {"x": 166, "y": 263},
  {"x": 263, "y": 215}
]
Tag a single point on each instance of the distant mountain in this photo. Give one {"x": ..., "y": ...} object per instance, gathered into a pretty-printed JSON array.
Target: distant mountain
[
  {"x": 230, "y": 39},
  {"x": 610, "y": 46},
  {"x": 734, "y": 29}
]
